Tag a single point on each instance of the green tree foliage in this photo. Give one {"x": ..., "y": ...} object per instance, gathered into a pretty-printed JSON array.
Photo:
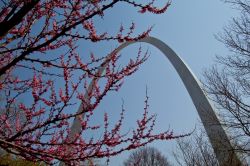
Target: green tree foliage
[{"x": 9, "y": 160}]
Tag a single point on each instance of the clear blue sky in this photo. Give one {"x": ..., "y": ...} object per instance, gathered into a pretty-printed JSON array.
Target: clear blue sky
[{"x": 188, "y": 27}]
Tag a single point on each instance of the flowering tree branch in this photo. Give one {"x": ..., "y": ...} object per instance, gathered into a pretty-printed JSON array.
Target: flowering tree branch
[{"x": 39, "y": 38}]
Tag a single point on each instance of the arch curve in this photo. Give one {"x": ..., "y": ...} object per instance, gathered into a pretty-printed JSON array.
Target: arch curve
[{"x": 216, "y": 134}]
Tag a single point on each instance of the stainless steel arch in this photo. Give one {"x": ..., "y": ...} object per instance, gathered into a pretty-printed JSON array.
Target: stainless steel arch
[{"x": 216, "y": 134}]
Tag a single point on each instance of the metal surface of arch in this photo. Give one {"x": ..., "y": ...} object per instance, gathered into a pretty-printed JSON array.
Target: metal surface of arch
[{"x": 216, "y": 134}]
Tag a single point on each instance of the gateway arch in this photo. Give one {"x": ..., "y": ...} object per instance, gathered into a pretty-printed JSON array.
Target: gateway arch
[{"x": 216, "y": 134}]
